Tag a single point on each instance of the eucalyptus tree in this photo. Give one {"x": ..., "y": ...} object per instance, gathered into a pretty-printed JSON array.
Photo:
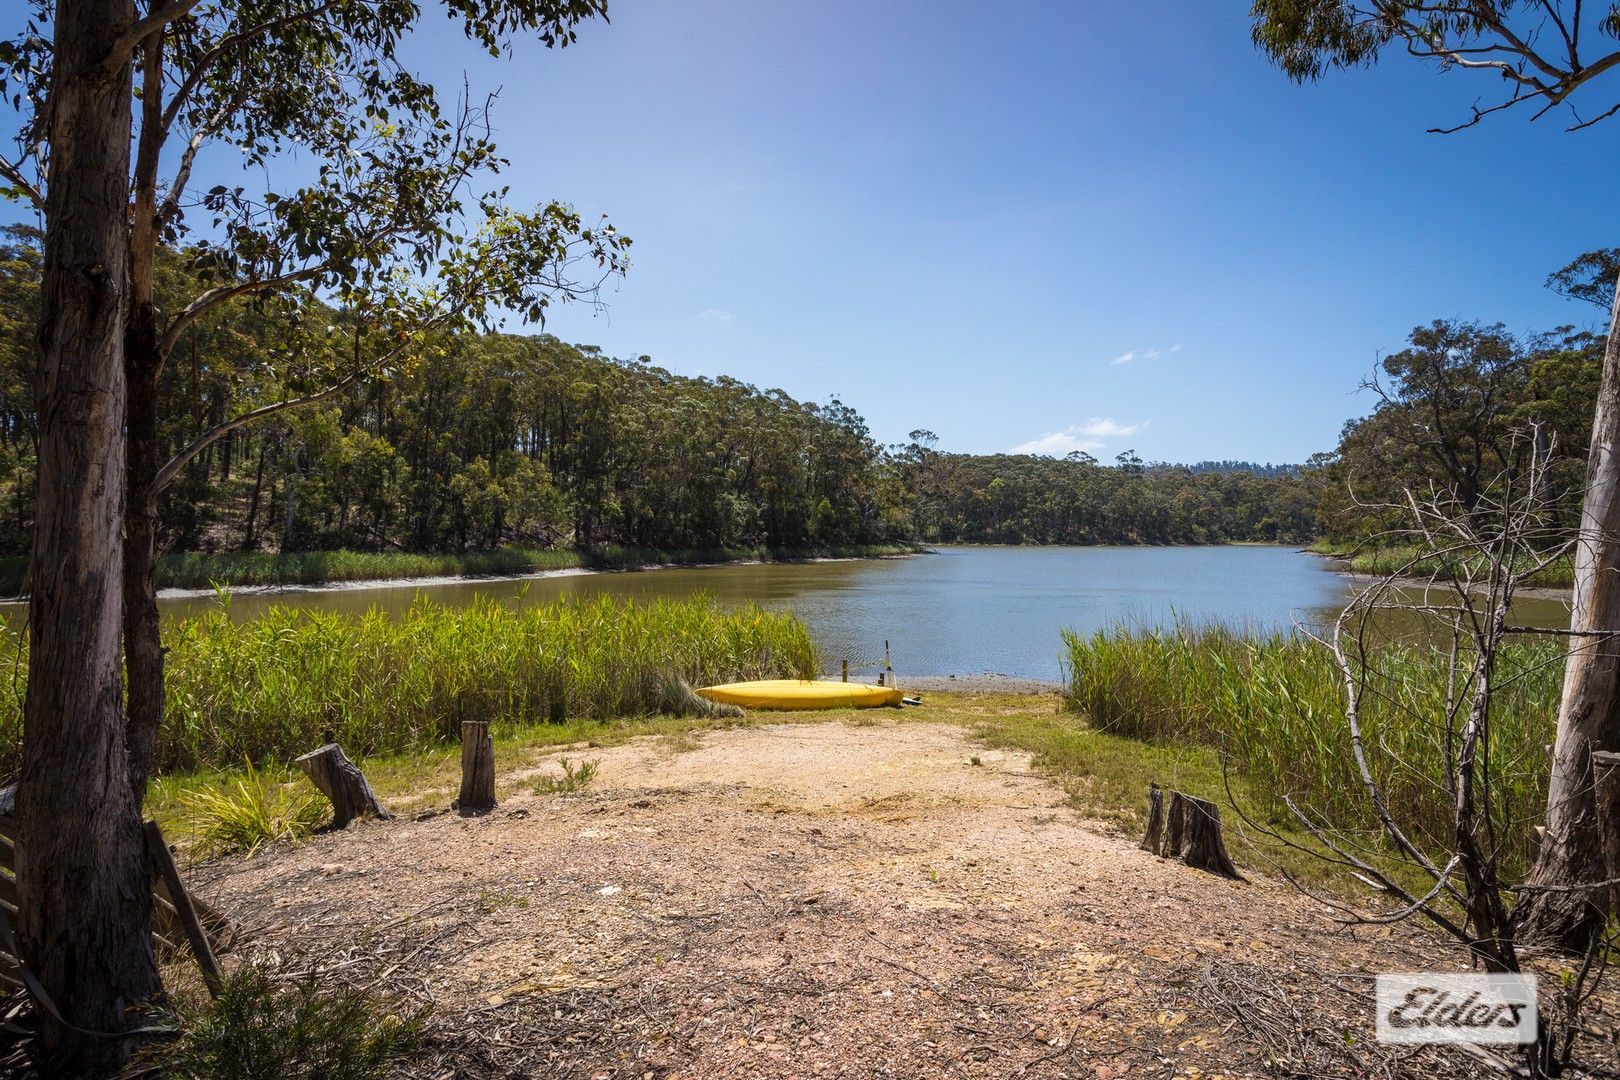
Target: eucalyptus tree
[
  {"x": 1545, "y": 55},
  {"x": 397, "y": 223}
]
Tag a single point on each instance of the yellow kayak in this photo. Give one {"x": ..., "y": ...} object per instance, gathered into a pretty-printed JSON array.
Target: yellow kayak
[{"x": 796, "y": 694}]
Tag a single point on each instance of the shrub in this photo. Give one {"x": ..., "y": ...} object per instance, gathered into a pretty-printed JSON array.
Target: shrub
[
  {"x": 575, "y": 777},
  {"x": 251, "y": 810},
  {"x": 265, "y": 1028}
]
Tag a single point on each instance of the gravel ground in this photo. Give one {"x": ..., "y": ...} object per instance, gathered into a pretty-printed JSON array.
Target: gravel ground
[{"x": 818, "y": 900}]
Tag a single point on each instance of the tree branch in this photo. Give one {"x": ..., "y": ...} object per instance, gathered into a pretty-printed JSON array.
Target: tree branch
[
  {"x": 166, "y": 475},
  {"x": 212, "y": 298},
  {"x": 230, "y": 41},
  {"x": 13, "y": 172},
  {"x": 136, "y": 32}
]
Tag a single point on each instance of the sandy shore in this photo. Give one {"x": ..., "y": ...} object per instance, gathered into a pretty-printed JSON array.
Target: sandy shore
[
  {"x": 985, "y": 683},
  {"x": 462, "y": 579}
]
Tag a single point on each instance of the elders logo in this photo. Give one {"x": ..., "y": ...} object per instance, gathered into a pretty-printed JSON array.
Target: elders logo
[{"x": 1427, "y": 1007}]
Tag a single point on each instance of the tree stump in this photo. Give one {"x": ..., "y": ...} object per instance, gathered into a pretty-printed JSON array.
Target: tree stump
[
  {"x": 341, "y": 781},
  {"x": 1190, "y": 828},
  {"x": 1154, "y": 840},
  {"x": 477, "y": 769}
]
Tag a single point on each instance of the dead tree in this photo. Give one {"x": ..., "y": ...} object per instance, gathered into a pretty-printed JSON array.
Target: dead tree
[
  {"x": 1483, "y": 555},
  {"x": 342, "y": 782},
  {"x": 477, "y": 769}
]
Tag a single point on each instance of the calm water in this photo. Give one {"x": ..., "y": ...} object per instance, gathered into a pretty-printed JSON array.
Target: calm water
[{"x": 961, "y": 611}]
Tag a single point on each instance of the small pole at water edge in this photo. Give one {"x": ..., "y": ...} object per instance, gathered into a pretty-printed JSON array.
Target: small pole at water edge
[{"x": 846, "y": 671}]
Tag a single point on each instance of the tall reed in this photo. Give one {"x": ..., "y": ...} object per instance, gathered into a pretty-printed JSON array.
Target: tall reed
[
  {"x": 1276, "y": 705},
  {"x": 278, "y": 685}
]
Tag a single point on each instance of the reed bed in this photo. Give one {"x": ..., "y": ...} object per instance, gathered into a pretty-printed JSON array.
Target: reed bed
[
  {"x": 1410, "y": 562},
  {"x": 269, "y": 689},
  {"x": 1275, "y": 706}
]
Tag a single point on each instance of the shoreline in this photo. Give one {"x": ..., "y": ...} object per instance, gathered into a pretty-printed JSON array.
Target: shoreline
[
  {"x": 1523, "y": 592},
  {"x": 987, "y": 682},
  {"x": 434, "y": 580},
  {"x": 1346, "y": 569}
]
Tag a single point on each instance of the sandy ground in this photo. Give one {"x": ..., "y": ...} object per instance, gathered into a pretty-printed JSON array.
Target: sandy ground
[
  {"x": 821, "y": 900},
  {"x": 987, "y": 683}
]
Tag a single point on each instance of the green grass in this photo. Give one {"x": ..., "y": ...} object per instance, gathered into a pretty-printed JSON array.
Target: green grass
[
  {"x": 576, "y": 776},
  {"x": 277, "y": 686},
  {"x": 243, "y": 569},
  {"x": 267, "y": 1027},
  {"x": 1275, "y": 706},
  {"x": 250, "y": 810},
  {"x": 1406, "y": 561}
]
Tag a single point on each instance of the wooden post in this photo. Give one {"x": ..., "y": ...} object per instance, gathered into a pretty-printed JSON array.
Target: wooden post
[
  {"x": 341, "y": 781},
  {"x": 477, "y": 769},
  {"x": 163, "y": 868},
  {"x": 846, "y": 671},
  {"x": 1153, "y": 842}
]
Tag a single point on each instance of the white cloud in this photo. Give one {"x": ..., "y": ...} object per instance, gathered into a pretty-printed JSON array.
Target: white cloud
[
  {"x": 1145, "y": 354},
  {"x": 715, "y": 314},
  {"x": 1099, "y": 428},
  {"x": 1088, "y": 437},
  {"x": 1057, "y": 444}
]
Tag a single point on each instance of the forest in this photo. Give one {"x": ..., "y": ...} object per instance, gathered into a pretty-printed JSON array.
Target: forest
[
  {"x": 491, "y": 440},
  {"x": 1460, "y": 410}
]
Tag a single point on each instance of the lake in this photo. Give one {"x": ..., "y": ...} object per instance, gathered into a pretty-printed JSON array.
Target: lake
[{"x": 959, "y": 611}]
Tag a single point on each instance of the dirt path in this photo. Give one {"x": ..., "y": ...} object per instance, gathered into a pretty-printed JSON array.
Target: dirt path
[{"x": 815, "y": 900}]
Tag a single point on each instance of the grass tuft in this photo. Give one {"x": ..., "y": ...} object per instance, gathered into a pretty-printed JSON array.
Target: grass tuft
[
  {"x": 577, "y": 776},
  {"x": 265, "y": 1028},
  {"x": 250, "y": 810}
]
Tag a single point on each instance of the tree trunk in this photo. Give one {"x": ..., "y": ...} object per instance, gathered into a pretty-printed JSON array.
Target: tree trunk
[
  {"x": 1153, "y": 839},
  {"x": 82, "y": 874},
  {"x": 143, "y": 650},
  {"x": 1589, "y": 714},
  {"x": 1606, "y": 788},
  {"x": 342, "y": 782},
  {"x": 248, "y": 530},
  {"x": 1187, "y": 828},
  {"x": 143, "y": 365}
]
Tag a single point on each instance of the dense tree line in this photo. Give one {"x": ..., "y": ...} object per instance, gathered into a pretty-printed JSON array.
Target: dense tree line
[
  {"x": 486, "y": 440},
  {"x": 1458, "y": 412},
  {"x": 1025, "y": 499}
]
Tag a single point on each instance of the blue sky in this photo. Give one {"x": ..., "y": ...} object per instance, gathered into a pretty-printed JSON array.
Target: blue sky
[
  {"x": 1079, "y": 223},
  {"x": 965, "y": 217}
]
